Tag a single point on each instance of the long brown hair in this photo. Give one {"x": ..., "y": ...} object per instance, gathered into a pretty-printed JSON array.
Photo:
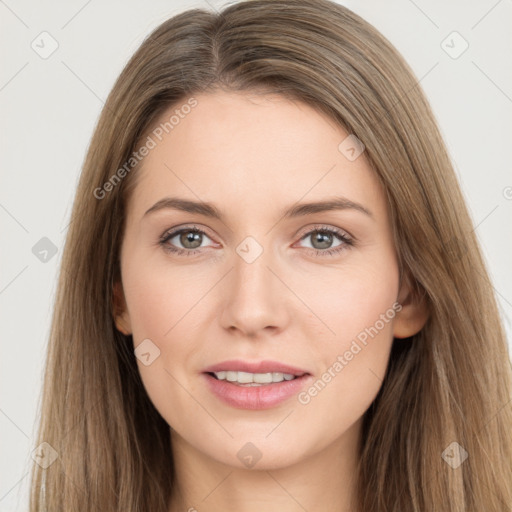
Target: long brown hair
[{"x": 450, "y": 383}]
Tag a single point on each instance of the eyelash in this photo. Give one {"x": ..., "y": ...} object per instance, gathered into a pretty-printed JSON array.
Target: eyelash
[{"x": 317, "y": 229}]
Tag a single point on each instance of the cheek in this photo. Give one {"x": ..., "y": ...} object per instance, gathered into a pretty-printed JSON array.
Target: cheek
[
  {"x": 158, "y": 312},
  {"x": 359, "y": 306},
  {"x": 343, "y": 391},
  {"x": 160, "y": 298},
  {"x": 343, "y": 301},
  {"x": 166, "y": 306}
]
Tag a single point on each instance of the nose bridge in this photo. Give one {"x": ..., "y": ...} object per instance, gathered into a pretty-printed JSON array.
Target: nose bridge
[
  {"x": 251, "y": 268},
  {"x": 253, "y": 279}
]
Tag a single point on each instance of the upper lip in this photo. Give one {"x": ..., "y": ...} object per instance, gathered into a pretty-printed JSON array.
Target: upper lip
[{"x": 255, "y": 367}]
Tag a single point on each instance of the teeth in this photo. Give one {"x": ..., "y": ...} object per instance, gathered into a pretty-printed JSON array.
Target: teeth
[
  {"x": 231, "y": 376},
  {"x": 243, "y": 378},
  {"x": 256, "y": 378}
]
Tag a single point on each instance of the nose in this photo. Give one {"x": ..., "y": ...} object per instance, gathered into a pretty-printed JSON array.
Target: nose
[{"x": 255, "y": 297}]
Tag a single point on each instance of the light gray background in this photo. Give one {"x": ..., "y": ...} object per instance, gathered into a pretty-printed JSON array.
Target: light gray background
[{"x": 50, "y": 107}]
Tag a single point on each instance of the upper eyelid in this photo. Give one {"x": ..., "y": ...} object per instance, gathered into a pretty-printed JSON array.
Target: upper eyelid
[
  {"x": 321, "y": 227},
  {"x": 171, "y": 233}
]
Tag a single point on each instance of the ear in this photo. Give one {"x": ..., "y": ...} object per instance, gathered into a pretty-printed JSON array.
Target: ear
[
  {"x": 121, "y": 315},
  {"x": 414, "y": 313}
]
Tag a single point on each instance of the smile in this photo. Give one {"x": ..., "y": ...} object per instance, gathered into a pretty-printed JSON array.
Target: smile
[{"x": 255, "y": 395}]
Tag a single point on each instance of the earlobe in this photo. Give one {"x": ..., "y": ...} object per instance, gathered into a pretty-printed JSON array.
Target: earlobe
[
  {"x": 121, "y": 315},
  {"x": 414, "y": 312}
]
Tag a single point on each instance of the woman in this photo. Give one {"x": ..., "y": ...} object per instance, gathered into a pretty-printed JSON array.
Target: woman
[{"x": 271, "y": 295}]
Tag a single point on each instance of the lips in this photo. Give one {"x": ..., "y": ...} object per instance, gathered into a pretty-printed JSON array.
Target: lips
[{"x": 263, "y": 396}]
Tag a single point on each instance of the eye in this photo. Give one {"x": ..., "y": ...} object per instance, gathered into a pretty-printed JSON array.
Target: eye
[
  {"x": 189, "y": 237},
  {"x": 322, "y": 239}
]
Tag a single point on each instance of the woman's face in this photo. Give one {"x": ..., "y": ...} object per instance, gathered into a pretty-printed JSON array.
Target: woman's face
[{"x": 315, "y": 289}]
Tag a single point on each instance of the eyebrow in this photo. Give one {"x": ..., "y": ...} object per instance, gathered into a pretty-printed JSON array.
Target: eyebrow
[{"x": 297, "y": 210}]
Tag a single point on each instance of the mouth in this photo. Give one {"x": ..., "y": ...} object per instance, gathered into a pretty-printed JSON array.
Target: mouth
[{"x": 255, "y": 385}]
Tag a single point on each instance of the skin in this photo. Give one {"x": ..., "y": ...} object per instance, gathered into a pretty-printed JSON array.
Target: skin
[{"x": 252, "y": 155}]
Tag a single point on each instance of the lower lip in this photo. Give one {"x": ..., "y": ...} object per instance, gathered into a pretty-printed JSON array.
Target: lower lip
[{"x": 256, "y": 397}]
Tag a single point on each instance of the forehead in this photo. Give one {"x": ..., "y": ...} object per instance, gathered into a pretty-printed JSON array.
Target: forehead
[{"x": 250, "y": 150}]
